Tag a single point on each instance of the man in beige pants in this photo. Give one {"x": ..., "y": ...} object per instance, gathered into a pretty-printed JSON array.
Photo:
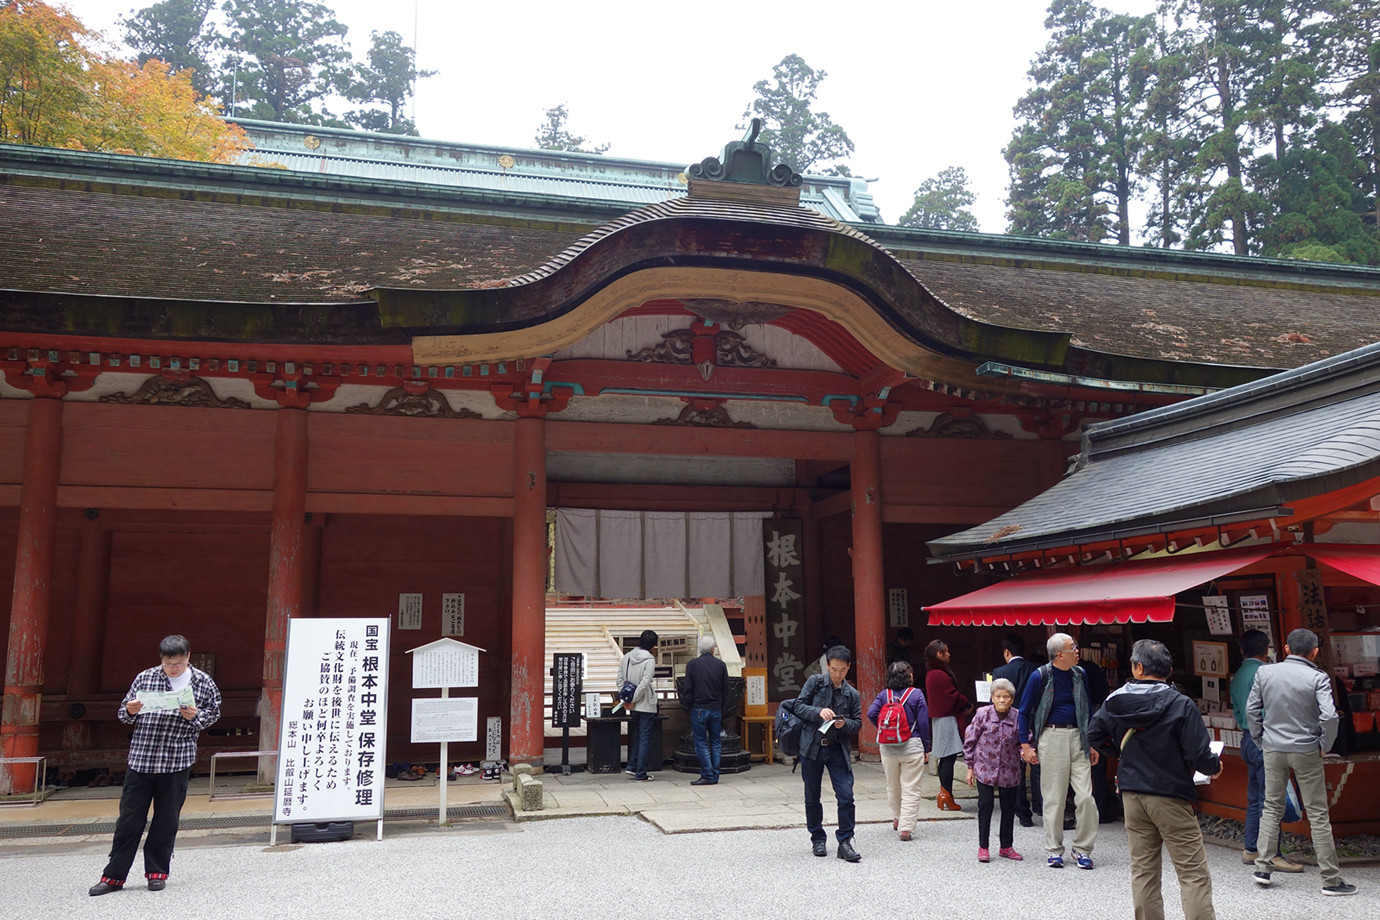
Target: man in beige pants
[
  {"x": 1161, "y": 740},
  {"x": 1054, "y": 734}
]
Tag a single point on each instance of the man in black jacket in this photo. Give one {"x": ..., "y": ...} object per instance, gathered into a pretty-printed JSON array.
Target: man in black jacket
[
  {"x": 1160, "y": 737},
  {"x": 707, "y": 684},
  {"x": 831, "y": 711},
  {"x": 1018, "y": 669}
]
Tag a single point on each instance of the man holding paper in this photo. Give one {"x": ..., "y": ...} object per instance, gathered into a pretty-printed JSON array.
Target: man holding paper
[
  {"x": 831, "y": 710},
  {"x": 1159, "y": 735},
  {"x": 168, "y": 706}
]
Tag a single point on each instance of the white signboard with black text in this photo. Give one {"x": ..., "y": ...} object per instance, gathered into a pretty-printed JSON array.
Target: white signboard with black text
[
  {"x": 332, "y": 736},
  {"x": 445, "y": 663},
  {"x": 445, "y": 719}
]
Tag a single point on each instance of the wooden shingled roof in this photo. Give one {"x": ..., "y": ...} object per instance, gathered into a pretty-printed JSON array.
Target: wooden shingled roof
[
  {"x": 105, "y": 245},
  {"x": 1245, "y": 454}
]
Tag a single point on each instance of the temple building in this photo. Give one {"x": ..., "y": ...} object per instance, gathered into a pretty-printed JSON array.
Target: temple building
[{"x": 362, "y": 375}]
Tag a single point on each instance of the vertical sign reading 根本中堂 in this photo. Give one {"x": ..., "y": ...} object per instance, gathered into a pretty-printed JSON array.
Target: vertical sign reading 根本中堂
[
  {"x": 785, "y": 589},
  {"x": 335, "y": 721}
]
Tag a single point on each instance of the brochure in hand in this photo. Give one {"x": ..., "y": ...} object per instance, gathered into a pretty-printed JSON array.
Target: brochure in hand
[{"x": 158, "y": 701}]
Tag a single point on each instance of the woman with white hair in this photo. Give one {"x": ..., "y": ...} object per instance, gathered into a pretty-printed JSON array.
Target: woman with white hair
[{"x": 992, "y": 751}]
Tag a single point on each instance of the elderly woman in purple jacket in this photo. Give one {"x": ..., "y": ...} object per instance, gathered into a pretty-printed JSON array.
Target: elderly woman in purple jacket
[
  {"x": 904, "y": 763},
  {"x": 992, "y": 750}
]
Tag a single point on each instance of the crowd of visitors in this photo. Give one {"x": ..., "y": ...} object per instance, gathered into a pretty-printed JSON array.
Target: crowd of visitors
[{"x": 1059, "y": 720}]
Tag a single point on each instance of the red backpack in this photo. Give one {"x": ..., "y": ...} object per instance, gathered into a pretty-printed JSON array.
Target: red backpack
[{"x": 892, "y": 725}]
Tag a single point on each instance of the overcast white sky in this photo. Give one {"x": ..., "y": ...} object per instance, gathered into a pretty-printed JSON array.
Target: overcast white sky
[{"x": 918, "y": 84}]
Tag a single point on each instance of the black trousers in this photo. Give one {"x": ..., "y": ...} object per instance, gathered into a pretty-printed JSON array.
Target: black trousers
[
  {"x": 166, "y": 792},
  {"x": 1022, "y": 796},
  {"x": 1008, "y": 814},
  {"x": 946, "y": 773}
]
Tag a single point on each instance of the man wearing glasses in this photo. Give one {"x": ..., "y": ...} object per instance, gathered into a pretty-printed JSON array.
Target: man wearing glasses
[
  {"x": 1053, "y": 727},
  {"x": 168, "y": 706}
]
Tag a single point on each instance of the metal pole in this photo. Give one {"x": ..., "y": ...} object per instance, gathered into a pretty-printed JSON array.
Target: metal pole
[{"x": 445, "y": 774}]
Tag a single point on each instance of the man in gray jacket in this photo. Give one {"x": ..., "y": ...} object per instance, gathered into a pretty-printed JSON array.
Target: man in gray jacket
[
  {"x": 639, "y": 667},
  {"x": 1292, "y": 719}
]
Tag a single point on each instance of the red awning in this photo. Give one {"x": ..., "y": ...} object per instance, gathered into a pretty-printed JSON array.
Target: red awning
[
  {"x": 1361, "y": 562},
  {"x": 1090, "y": 595}
]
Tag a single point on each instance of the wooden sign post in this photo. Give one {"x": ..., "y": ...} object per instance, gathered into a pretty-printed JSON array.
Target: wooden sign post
[{"x": 443, "y": 664}]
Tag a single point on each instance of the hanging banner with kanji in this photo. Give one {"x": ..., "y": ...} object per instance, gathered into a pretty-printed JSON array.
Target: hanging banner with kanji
[{"x": 787, "y": 655}]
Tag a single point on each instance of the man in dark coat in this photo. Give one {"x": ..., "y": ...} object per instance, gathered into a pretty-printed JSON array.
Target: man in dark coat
[
  {"x": 1159, "y": 735},
  {"x": 830, "y": 710},
  {"x": 706, "y": 681}
]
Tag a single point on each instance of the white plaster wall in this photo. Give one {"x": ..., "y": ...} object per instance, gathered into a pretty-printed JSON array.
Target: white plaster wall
[{"x": 9, "y": 392}]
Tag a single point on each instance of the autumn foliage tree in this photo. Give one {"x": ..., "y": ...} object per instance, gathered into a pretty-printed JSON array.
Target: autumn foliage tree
[
  {"x": 57, "y": 90},
  {"x": 42, "y": 72}
]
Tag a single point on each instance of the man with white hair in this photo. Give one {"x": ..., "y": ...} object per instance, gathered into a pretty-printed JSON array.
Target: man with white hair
[
  {"x": 707, "y": 684},
  {"x": 1054, "y": 732}
]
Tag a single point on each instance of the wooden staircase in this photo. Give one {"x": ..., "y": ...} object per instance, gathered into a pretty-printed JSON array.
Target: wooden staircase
[{"x": 596, "y": 633}]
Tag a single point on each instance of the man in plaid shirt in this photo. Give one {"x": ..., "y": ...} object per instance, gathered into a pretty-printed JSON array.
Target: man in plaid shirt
[{"x": 161, "y": 753}]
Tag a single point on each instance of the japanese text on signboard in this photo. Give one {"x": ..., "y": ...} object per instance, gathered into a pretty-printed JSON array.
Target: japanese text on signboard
[
  {"x": 566, "y": 672},
  {"x": 785, "y": 577},
  {"x": 331, "y": 739}
]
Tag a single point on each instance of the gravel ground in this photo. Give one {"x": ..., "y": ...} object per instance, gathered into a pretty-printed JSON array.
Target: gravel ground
[
  {"x": 624, "y": 867},
  {"x": 1357, "y": 846}
]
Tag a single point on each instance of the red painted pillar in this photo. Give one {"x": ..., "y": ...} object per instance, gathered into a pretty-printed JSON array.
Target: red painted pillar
[
  {"x": 529, "y": 591},
  {"x": 286, "y": 537},
  {"x": 33, "y": 573},
  {"x": 869, "y": 592}
]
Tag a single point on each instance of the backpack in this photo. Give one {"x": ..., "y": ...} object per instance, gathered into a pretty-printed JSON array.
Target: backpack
[
  {"x": 892, "y": 725},
  {"x": 788, "y": 729}
]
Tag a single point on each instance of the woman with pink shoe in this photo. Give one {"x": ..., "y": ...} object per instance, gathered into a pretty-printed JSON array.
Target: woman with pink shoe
[{"x": 992, "y": 752}]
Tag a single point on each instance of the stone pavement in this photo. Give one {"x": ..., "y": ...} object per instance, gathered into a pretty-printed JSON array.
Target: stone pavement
[{"x": 765, "y": 797}]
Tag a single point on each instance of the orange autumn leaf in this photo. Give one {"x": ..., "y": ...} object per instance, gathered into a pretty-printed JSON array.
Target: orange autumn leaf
[{"x": 57, "y": 91}]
